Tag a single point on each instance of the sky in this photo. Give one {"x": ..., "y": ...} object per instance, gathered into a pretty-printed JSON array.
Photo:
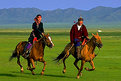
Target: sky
[{"x": 61, "y": 4}]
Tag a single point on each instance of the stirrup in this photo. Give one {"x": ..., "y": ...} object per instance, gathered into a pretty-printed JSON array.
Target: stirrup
[{"x": 26, "y": 56}]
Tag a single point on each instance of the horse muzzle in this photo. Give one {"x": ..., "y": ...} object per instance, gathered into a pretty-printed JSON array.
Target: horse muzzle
[
  {"x": 100, "y": 46},
  {"x": 51, "y": 45}
]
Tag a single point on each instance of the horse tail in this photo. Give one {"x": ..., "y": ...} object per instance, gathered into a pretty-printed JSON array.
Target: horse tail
[
  {"x": 14, "y": 54},
  {"x": 64, "y": 52},
  {"x": 58, "y": 58}
]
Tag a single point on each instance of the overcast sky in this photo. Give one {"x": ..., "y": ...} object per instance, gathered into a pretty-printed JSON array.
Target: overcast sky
[{"x": 62, "y": 4}]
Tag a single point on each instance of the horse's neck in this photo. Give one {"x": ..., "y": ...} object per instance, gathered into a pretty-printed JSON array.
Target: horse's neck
[
  {"x": 91, "y": 45},
  {"x": 40, "y": 43}
]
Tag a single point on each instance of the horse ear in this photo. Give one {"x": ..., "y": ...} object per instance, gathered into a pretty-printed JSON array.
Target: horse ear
[
  {"x": 92, "y": 34},
  {"x": 97, "y": 33}
]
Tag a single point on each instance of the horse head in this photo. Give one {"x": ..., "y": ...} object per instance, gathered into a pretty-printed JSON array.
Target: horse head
[
  {"x": 48, "y": 41},
  {"x": 97, "y": 41}
]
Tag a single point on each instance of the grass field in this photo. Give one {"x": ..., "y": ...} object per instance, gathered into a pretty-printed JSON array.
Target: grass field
[{"x": 107, "y": 63}]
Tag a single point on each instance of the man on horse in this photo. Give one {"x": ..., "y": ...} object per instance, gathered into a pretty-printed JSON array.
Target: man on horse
[
  {"x": 78, "y": 35},
  {"x": 36, "y": 34}
]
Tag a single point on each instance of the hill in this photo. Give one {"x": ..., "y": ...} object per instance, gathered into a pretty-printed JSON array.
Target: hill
[{"x": 98, "y": 15}]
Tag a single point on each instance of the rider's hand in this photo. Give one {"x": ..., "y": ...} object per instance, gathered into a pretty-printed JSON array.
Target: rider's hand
[
  {"x": 72, "y": 44},
  {"x": 42, "y": 34}
]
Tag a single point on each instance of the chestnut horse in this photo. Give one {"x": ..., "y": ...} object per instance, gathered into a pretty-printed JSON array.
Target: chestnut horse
[
  {"x": 86, "y": 55},
  {"x": 36, "y": 54}
]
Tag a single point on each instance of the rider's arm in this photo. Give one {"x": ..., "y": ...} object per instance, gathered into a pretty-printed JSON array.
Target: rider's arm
[
  {"x": 72, "y": 35},
  {"x": 36, "y": 29},
  {"x": 85, "y": 35},
  {"x": 85, "y": 31}
]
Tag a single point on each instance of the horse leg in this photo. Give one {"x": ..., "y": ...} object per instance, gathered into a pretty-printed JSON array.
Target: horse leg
[
  {"x": 79, "y": 73},
  {"x": 29, "y": 67},
  {"x": 43, "y": 61},
  {"x": 64, "y": 69},
  {"x": 18, "y": 62},
  {"x": 93, "y": 67},
  {"x": 33, "y": 65},
  {"x": 75, "y": 63}
]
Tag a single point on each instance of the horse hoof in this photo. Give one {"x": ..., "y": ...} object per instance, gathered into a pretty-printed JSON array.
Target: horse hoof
[
  {"x": 28, "y": 68},
  {"x": 87, "y": 69},
  {"x": 22, "y": 70},
  {"x": 33, "y": 73},
  {"x": 42, "y": 73},
  {"x": 77, "y": 77},
  {"x": 64, "y": 71}
]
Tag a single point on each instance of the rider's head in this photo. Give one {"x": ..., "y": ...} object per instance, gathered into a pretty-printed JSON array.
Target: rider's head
[
  {"x": 39, "y": 17},
  {"x": 80, "y": 21}
]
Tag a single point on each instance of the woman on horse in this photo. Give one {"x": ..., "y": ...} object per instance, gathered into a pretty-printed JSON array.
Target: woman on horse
[
  {"x": 37, "y": 29},
  {"x": 78, "y": 34},
  {"x": 36, "y": 34}
]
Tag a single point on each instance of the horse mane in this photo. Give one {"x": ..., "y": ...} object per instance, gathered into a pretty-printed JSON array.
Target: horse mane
[
  {"x": 92, "y": 38},
  {"x": 89, "y": 40},
  {"x": 40, "y": 39}
]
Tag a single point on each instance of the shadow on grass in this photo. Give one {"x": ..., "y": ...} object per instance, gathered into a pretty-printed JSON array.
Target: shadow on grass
[
  {"x": 59, "y": 76},
  {"x": 14, "y": 74},
  {"x": 22, "y": 72},
  {"x": 8, "y": 75},
  {"x": 48, "y": 75}
]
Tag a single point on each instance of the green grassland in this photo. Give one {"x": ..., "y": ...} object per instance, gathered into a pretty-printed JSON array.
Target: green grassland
[{"x": 107, "y": 63}]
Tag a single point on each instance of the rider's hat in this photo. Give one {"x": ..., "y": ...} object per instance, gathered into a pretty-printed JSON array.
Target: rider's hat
[{"x": 80, "y": 19}]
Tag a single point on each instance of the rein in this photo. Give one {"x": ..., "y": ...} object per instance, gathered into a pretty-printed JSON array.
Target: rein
[
  {"x": 96, "y": 44},
  {"x": 97, "y": 52},
  {"x": 43, "y": 40}
]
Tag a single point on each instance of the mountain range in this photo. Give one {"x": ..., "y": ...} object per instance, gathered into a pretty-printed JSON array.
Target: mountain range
[{"x": 98, "y": 15}]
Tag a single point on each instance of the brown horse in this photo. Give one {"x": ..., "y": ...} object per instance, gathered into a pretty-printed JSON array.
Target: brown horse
[
  {"x": 36, "y": 54},
  {"x": 87, "y": 54}
]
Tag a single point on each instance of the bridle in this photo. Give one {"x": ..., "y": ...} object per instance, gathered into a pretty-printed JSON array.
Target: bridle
[
  {"x": 96, "y": 44},
  {"x": 44, "y": 39}
]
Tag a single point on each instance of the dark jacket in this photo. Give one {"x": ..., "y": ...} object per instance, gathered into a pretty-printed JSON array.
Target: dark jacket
[
  {"x": 74, "y": 33},
  {"x": 37, "y": 31}
]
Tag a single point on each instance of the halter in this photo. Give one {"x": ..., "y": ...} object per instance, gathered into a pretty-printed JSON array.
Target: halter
[
  {"x": 44, "y": 38},
  {"x": 49, "y": 40}
]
